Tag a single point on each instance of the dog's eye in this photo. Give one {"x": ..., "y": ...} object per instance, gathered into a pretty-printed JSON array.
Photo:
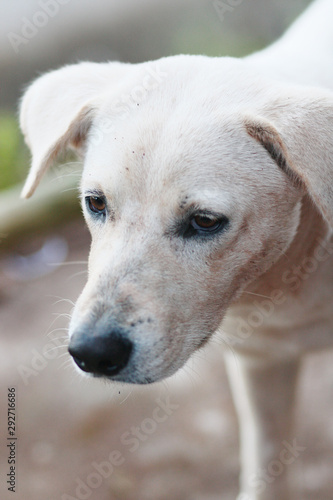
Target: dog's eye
[
  {"x": 208, "y": 224},
  {"x": 205, "y": 223},
  {"x": 96, "y": 204}
]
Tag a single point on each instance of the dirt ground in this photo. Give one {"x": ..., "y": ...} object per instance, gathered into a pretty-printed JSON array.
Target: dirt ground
[{"x": 82, "y": 439}]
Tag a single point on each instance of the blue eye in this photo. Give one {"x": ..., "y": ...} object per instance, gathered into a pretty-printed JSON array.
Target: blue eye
[{"x": 96, "y": 204}]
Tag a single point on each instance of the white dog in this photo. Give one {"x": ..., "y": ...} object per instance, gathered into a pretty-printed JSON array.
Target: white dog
[{"x": 207, "y": 187}]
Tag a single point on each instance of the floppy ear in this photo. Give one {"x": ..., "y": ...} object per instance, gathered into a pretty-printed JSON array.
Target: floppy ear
[
  {"x": 57, "y": 111},
  {"x": 297, "y": 132}
]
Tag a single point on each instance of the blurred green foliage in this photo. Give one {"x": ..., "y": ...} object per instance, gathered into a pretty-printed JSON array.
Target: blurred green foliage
[
  {"x": 200, "y": 42},
  {"x": 14, "y": 157},
  {"x": 191, "y": 37}
]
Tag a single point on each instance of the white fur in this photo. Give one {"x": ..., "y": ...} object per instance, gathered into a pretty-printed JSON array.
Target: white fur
[{"x": 250, "y": 139}]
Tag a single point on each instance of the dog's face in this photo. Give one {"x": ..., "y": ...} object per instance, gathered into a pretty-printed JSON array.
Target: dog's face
[
  {"x": 181, "y": 220},
  {"x": 189, "y": 196}
]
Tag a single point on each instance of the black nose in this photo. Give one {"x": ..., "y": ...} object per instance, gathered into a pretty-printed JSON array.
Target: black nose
[{"x": 105, "y": 354}]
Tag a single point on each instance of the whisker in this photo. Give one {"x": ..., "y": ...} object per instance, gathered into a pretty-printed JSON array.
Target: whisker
[
  {"x": 56, "y": 347},
  {"x": 80, "y": 273},
  {"x": 128, "y": 395},
  {"x": 68, "y": 174},
  {"x": 58, "y": 330},
  {"x": 64, "y": 354},
  {"x": 226, "y": 343},
  {"x": 60, "y": 299},
  {"x": 286, "y": 256},
  {"x": 62, "y": 315},
  {"x": 64, "y": 339},
  {"x": 192, "y": 374},
  {"x": 66, "y": 364},
  {"x": 257, "y": 294},
  {"x": 58, "y": 178},
  {"x": 72, "y": 262},
  {"x": 69, "y": 189},
  {"x": 48, "y": 333}
]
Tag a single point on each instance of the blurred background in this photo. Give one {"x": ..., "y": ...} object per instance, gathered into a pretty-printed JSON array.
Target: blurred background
[{"x": 80, "y": 439}]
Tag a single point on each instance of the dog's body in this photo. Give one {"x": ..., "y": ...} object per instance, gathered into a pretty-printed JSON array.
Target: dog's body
[{"x": 207, "y": 186}]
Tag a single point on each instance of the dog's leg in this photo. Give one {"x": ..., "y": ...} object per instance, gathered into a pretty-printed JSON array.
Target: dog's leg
[{"x": 264, "y": 393}]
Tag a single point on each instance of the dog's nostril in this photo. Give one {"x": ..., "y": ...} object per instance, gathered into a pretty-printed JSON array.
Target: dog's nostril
[
  {"x": 81, "y": 364},
  {"x": 103, "y": 355},
  {"x": 107, "y": 368}
]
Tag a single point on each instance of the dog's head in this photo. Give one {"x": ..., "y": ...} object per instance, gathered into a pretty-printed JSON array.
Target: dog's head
[{"x": 194, "y": 171}]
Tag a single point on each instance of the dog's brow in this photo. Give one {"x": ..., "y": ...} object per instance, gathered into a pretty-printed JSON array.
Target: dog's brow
[
  {"x": 93, "y": 192},
  {"x": 211, "y": 200}
]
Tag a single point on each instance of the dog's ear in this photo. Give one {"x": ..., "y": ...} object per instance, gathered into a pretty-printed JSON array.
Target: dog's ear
[
  {"x": 57, "y": 111},
  {"x": 297, "y": 131}
]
